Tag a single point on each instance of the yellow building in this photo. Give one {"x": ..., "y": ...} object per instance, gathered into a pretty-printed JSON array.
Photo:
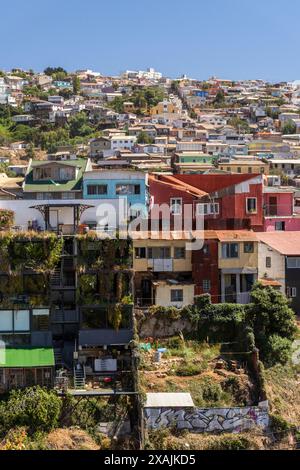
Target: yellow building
[
  {"x": 164, "y": 107},
  {"x": 163, "y": 272},
  {"x": 238, "y": 264},
  {"x": 245, "y": 166}
]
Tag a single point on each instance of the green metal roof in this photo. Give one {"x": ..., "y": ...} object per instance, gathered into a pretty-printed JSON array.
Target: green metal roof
[
  {"x": 55, "y": 186},
  {"x": 27, "y": 357}
]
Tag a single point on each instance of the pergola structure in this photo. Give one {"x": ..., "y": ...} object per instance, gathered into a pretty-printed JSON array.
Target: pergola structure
[{"x": 78, "y": 210}]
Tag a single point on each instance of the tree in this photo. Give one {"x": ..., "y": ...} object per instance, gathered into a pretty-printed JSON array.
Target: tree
[
  {"x": 144, "y": 138},
  {"x": 54, "y": 70},
  {"x": 76, "y": 85},
  {"x": 79, "y": 125},
  {"x": 220, "y": 98},
  {"x": 175, "y": 85},
  {"x": 66, "y": 93},
  {"x": 239, "y": 124},
  {"x": 5, "y": 135},
  {"x": 273, "y": 323},
  {"x": 289, "y": 127},
  {"x": 34, "y": 407},
  {"x": 117, "y": 104},
  {"x": 30, "y": 153}
]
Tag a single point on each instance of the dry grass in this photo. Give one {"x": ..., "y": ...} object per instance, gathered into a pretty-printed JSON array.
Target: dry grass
[
  {"x": 70, "y": 439},
  {"x": 282, "y": 385}
]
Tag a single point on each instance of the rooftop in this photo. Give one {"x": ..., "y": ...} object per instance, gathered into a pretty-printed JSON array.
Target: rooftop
[{"x": 288, "y": 245}]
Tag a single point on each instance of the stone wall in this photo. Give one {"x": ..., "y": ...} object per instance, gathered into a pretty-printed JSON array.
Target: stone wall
[
  {"x": 150, "y": 326},
  {"x": 210, "y": 419}
]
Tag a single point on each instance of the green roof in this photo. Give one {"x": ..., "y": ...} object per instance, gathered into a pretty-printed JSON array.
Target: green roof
[
  {"x": 53, "y": 186},
  {"x": 27, "y": 357}
]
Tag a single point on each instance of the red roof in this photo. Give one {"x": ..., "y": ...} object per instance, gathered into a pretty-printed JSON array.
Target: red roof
[{"x": 211, "y": 183}]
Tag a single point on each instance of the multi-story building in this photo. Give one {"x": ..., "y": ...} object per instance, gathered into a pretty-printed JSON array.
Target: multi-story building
[
  {"x": 163, "y": 270},
  {"x": 225, "y": 201},
  {"x": 65, "y": 301}
]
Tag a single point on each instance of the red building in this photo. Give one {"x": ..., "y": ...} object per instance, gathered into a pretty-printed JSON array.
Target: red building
[
  {"x": 205, "y": 267},
  {"x": 228, "y": 201}
]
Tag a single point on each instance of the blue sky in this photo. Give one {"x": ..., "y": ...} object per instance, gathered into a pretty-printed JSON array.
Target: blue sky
[{"x": 232, "y": 39}]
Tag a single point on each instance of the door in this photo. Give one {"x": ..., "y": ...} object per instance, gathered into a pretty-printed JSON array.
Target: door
[
  {"x": 53, "y": 219},
  {"x": 146, "y": 291}
]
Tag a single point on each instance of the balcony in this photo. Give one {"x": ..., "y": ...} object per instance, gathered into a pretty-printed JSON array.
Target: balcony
[
  {"x": 102, "y": 337},
  {"x": 161, "y": 265}
]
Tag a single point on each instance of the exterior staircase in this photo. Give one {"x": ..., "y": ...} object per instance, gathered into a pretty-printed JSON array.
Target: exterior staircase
[
  {"x": 79, "y": 378},
  {"x": 55, "y": 277},
  {"x": 58, "y": 357}
]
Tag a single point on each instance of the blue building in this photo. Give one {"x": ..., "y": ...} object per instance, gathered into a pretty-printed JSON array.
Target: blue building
[{"x": 115, "y": 188}]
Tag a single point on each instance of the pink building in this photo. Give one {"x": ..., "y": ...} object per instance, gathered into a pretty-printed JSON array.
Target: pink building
[{"x": 279, "y": 211}]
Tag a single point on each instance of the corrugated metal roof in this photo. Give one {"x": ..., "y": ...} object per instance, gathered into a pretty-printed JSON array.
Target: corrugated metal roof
[
  {"x": 27, "y": 357},
  {"x": 169, "y": 400}
]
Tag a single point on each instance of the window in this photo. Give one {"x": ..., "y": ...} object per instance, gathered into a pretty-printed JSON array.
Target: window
[
  {"x": 206, "y": 285},
  {"x": 176, "y": 295},
  {"x": 179, "y": 252},
  {"x": 96, "y": 189},
  {"x": 140, "y": 252},
  {"x": 21, "y": 320},
  {"x": 249, "y": 169},
  {"x": 208, "y": 209},
  {"x": 66, "y": 174},
  {"x": 68, "y": 195},
  {"x": 42, "y": 173},
  {"x": 14, "y": 320},
  {"x": 175, "y": 204},
  {"x": 248, "y": 247},
  {"x": 280, "y": 226},
  {"x": 159, "y": 253},
  {"x": 293, "y": 263},
  {"x": 268, "y": 262},
  {"x": 44, "y": 196},
  {"x": 128, "y": 189},
  {"x": 291, "y": 292},
  {"x": 230, "y": 250},
  {"x": 251, "y": 205},
  {"x": 239, "y": 169}
]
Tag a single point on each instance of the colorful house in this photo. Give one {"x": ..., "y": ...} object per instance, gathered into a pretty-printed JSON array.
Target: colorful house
[{"x": 226, "y": 201}]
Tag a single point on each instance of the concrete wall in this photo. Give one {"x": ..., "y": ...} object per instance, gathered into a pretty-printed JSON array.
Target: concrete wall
[
  {"x": 214, "y": 420},
  {"x": 277, "y": 270},
  {"x": 163, "y": 294}
]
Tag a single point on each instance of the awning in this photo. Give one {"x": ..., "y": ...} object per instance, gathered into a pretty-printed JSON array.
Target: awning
[{"x": 26, "y": 357}]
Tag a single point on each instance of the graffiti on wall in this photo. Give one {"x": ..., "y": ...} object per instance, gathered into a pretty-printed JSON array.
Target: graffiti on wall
[{"x": 198, "y": 420}]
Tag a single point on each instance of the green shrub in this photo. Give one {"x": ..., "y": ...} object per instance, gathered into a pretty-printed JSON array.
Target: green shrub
[
  {"x": 279, "y": 426},
  {"x": 188, "y": 369},
  {"x": 212, "y": 392},
  {"x": 230, "y": 443},
  {"x": 277, "y": 350},
  {"x": 35, "y": 407}
]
